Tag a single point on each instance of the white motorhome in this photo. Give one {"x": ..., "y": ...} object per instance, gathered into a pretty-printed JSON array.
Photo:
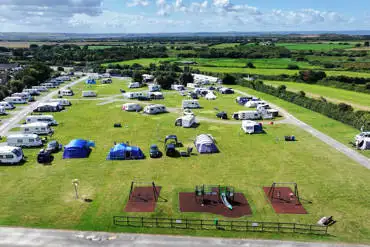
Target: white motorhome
[
  {"x": 190, "y": 104},
  {"x": 178, "y": 87},
  {"x": 154, "y": 109},
  {"x": 186, "y": 121},
  {"x": 154, "y": 88},
  {"x": 7, "y": 105},
  {"x": 133, "y": 95},
  {"x": 89, "y": 94},
  {"x": 10, "y": 155},
  {"x": 25, "y": 96},
  {"x": 15, "y": 100},
  {"x": 63, "y": 102},
  {"x": 66, "y": 92},
  {"x": 40, "y": 88},
  {"x": 2, "y": 111},
  {"x": 24, "y": 140},
  {"x": 134, "y": 85},
  {"x": 131, "y": 107},
  {"x": 49, "y": 119},
  {"x": 38, "y": 128},
  {"x": 48, "y": 85},
  {"x": 247, "y": 115},
  {"x": 33, "y": 92}
]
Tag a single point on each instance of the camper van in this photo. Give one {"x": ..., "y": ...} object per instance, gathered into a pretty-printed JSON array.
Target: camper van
[
  {"x": 66, "y": 92},
  {"x": 131, "y": 107},
  {"x": 7, "y": 105},
  {"x": 40, "y": 88},
  {"x": 133, "y": 95},
  {"x": 25, "y": 96},
  {"x": 88, "y": 94},
  {"x": 15, "y": 100},
  {"x": 186, "y": 121},
  {"x": 63, "y": 102},
  {"x": 38, "y": 128},
  {"x": 246, "y": 115},
  {"x": 134, "y": 85},
  {"x": 190, "y": 104},
  {"x": 10, "y": 155},
  {"x": 2, "y": 111},
  {"x": 49, "y": 119},
  {"x": 24, "y": 140},
  {"x": 154, "y": 88},
  {"x": 48, "y": 85},
  {"x": 154, "y": 109},
  {"x": 49, "y": 107},
  {"x": 32, "y": 92}
]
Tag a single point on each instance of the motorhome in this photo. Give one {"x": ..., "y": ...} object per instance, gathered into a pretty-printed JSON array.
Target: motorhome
[
  {"x": 178, "y": 87},
  {"x": 49, "y": 119},
  {"x": 247, "y": 115},
  {"x": 190, "y": 104},
  {"x": 2, "y": 111},
  {"x": 7, "y": 105},
  {"x": 133, "y": 95},
  {"x": 40, "y": 88},
  {"x": 154, "y": 109},
  {"x": 134, "y": 85},
  {"x": 154, "y": 88},
  {"x": 131, "y": 107},
  {"x": 186, "y": 121},
  {"x": 15, "y": 100},
  {"x": 89, "y": 94},
  {"x": 11, "y": 155},
  {"x": 48, "y": 85},
  {"x": 38, "y": 128},
  {"x": 49, "y": 107},
  {"x": 61, "y": 101},
  {"x": 66, "y": 92},
  {"x": 32, "y": 92},
  {"x": 24, "y": 140}
]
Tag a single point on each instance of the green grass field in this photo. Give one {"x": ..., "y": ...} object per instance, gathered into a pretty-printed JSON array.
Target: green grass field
[
  {"x": 334, "y": 94},
  {"x": 43, "y": 196},
  {"x": 315, "y": 46},
  {"x": 224, "y": 45}
]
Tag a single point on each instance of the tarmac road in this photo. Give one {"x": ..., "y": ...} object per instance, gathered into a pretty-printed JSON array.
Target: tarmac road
[{"x": 28, "y": 237}]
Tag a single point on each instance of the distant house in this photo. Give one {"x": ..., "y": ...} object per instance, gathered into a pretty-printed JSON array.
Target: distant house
[
  {"x": 7, "y": 70},
  {"x": 266, "y": 43}
]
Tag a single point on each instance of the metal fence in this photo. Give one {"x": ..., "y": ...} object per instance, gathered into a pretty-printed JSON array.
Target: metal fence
[{"x": 224, "y": 225}]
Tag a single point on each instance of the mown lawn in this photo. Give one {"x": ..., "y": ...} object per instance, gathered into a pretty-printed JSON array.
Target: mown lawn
[
  {"x": 336, "y": 94},
  {"x": 315, "y": 46},
  {"x": 43, "y": 196}
]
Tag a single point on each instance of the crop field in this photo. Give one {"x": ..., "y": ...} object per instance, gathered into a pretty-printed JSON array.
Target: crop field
[
  {"x": 356, "y": 99},
  {"x": 43, "y": 196},
  {"x": 224, "y": 45},
  {"x": 315, "y": 46}
]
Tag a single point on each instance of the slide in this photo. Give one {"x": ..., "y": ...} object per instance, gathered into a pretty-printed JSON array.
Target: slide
[{"x": 225, "y": 202}]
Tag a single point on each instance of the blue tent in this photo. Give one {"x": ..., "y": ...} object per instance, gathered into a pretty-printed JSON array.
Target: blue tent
[
  {"x": 123, "y": 151},
  {"x": 90, "y": 81},
  {"x": 78, "y": 148}
]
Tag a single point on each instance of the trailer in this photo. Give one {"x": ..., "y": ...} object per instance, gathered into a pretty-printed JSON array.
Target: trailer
[
  {"x": 38, "y": 128},
  {"x": 154, "y": 109},
  {"x": 247, "y": 115},
  {"x": 131, "y": 107},
  {"x": 89, "y": 94},
  {"x": 66, "y": 92},
  {"x": 133, "y": 95},
  {"x": 49, "y": 119},
  {"x": 186, "y": 121},
  {"x": 49, "y": 107},
  {"x": 251, "y": 127},
  {"x": 24, "y": 140},
  {"x": 134, "y": 85},
  {"x": 40, "y": 88},
  {"x": 190, "y": 104},
  {"x": 15, "y": 100},
  {"x": 7, "y": 105},
  {"x": 11, "y": 155}
]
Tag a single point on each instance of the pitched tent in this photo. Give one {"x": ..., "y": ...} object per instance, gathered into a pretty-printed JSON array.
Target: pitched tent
[
  {"x": 364, "y": 144},
  {"x": 90, "y": 81},
  {"x": 78, "y": 148},
  {"x": 205, "y": 143},
  {"x": 123, "y": 151}
]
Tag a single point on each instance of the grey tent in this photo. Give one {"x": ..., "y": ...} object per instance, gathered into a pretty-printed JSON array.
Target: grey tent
[{"x": 205, "y": 143}]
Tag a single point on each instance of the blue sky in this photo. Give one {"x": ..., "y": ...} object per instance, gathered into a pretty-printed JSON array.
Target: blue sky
[{"x": 151, "y": 16}]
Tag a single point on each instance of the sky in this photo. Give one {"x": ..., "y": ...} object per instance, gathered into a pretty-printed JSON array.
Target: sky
[{"x": 161, "y": 16}]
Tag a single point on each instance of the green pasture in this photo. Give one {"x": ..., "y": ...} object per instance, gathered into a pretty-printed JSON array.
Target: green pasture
[{"x": 315, "y": 46}]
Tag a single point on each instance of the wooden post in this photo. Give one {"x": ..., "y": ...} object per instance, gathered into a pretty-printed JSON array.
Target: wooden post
[
  {"x": 142, "y": 221},
  {"x": 186, "y": 223},
  {"x": 156, "y": 221},
  {"x": 127, "y": 219},
  {"x": 278, "y": 226},
  {"x": 231, "y": 225},
  {"x": 310, "y": 228},
  {"x": 294, "y": 227}
]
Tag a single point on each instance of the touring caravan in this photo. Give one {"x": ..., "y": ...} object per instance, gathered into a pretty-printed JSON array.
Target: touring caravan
[
  {"x": 2, "y": 111},
  {"x": 155, "y": 95},
  {"x": 7, "y": 105},
  {"x": 247, "y": 115},
  {"x": 133, "y": 95},
  {"x": 134, "y": 85},
  {"x": 186, "y": 121},
  {"x": 190, "y": 104},
  {"x": 38, "y": 128},
  {"x": 63, "y": 102},
  {"x": 40, "y": 88},
  {"x": 49, "y": 119},
  {"x": 154, "y": 109},
  {"x": 154, "y": 88},
  {"x": 66, "y": 92},
  {"x": 48, "y": 85},
  {"x": 49, "y": 107},
  {"x": 24, "y": 140},
  {"x": 178, "y": 87},
  {"x": 131, "y": 107},
  {"x": 15, "y": 100},
  {"x": 89, "y": 94},
  {"x": 10, "y": 155},
  {"x": 32, "y": 92},
  {"x": 251, "y": 127},
  {"x": 25, "y": 96}
]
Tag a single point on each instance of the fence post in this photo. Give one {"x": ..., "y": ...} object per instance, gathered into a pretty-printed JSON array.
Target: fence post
[
  {"x": 186, "y": 223},
  {"x": 201, "y": 224},
  {"x": 326, "y": 230},
  {"x": 246, "y": 226},
  {"x": 127, "y": 219},
  {"x": 262, "y": 226},
  {"x": 171, "y": 223},
  {"x": 156, "y": 221},
  {"x": 231, "y": 225},
  {"x": 310, "y": 228},
  {"x": 278, "y": 226},
  {"x": 142, "y": 221},
  {"x": 294, "y": 227}
]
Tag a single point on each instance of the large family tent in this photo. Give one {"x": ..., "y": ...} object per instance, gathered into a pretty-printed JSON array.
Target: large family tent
[
  {"x": 205, "y": 143},
  {"x": 90, "y": 81},
  {"x": 364, "y": 143},
  {"x": 78, "y": 148},
  {"x": 123, "y": 151}
]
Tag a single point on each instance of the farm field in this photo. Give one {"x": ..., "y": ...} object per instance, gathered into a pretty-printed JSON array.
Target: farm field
[
  {"x": 224, "y": 45},
  {"x": 43, "y": 196},
  {"x": 315, "y": 46},
  {"x": 358, "y": 100}
]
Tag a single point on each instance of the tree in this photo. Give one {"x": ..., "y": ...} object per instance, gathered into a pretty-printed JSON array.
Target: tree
[
  {"x": 367, "y": 43},
  {"x": 302, "y": 94},
  {"x": 250, "y": 65},
  {"x": 186, "y": 78},
  {"x": 165, "y": 80},
  {"x": 293, "y": 66},
  {"x": 229, "y": 79},
  {"x": 311, "y": 76},
  {"x": 60, "y": 69},
  {"x": 34, "y": 46},
  {"x": 136, "y": 76},
  {"x": 358, "y": 45}
]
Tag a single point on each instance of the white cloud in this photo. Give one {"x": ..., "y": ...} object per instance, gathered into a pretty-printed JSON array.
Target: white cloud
[{"x": 135, "y": 3}]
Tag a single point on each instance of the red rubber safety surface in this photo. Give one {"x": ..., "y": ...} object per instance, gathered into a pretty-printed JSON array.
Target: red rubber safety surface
[
  {"x": 282, "y": 202},
  {"x": 142, "y": 200}
]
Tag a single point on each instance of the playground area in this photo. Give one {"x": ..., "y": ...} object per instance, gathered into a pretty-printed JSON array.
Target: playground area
[
  {"x": 143, "y": 197},
  {"x": 215, "y": 199},
  {"x": 284, "y": 199}
]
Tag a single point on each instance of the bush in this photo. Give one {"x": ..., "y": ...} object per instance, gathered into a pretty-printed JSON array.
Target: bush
[
  {"x": 293, "y": 66},
  {"x": 229, "y": 80}
]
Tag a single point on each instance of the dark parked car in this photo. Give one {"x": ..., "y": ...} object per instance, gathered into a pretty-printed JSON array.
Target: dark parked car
[
  {"x": 222, "y": 115},
  {"x": 44, "y": 157},
  {"x": 154, "y": 152},
  {"x": 143, "y": 98},
  {"x": 54, "y": 147}
]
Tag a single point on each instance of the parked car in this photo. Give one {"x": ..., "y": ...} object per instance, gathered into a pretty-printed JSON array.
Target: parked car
[
  {"x": 44, "y": 157},
  {"x": 154, "y": 152},
  {"x": 222, "y": 115},
  {"x": 54, "y": 147}
]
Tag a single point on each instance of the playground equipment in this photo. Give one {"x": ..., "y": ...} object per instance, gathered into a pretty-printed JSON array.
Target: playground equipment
[
  {"x": 275, "y": 193},
  {"x": 145, "y": 197},
  {"x": 224, "y": 194}
]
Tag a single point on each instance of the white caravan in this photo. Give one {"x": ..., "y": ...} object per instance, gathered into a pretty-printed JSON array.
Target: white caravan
[
  {"x": 247, "y": 115},
  {"x": 154, "y": 88},
  {"x": 186, "y": 121},
  {"x": 3, "y": 111},
  {"x": 154, "y": 109},
  {"x": 40, "y": 88},
  {"x": 38, "y": 128},
  {"x": 89, "y": 94},
  {"x": 362, "y": 135},
  {"x": 178, "y": 87},
  {"x": 25, "y": 96},
  {"x": 131, "y": 107},
  {"x": 66, "y": 92},
  {"x": 15, "y": 100},
  {"x": 190, "y": 104},
  {"x": 48, "y": 85},
  {"x": 133, "y": 95},
  {"x": 134, "y": 85},
  {"x": 7, "y": 105},
  {"x": 49, "y": 119},
  {"x": 24, "y": 140},
  {"x": 10, "y": 155},
  {"x": 63, "y": 102},
  {"x": 31, "y": 91}
]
